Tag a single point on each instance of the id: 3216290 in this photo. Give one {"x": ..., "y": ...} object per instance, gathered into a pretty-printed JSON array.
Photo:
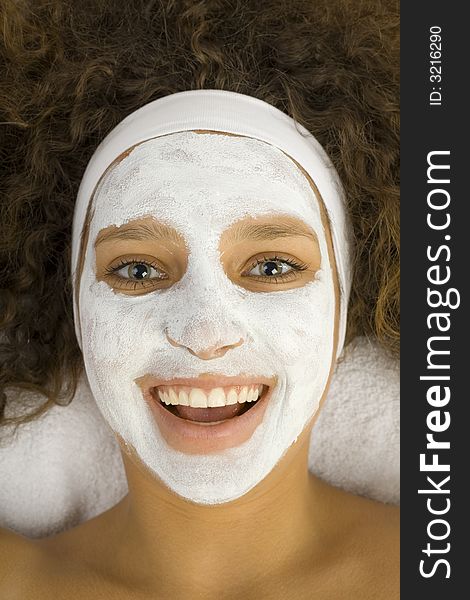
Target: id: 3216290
[{"x": 435, "y": 65}]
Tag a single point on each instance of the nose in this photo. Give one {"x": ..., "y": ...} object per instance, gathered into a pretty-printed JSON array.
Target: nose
[{"x": 208, "y": 353}]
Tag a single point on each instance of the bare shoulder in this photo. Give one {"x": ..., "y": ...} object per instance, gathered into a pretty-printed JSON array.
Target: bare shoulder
[
  {"x": 55, "y": 566},
  {"x": 359, "y": 514},
  {"x": 374, "y": 537},
  {"x": 365, "y": 546},
  {"x": 374, "y": 515},
  {"x": 378, "y": 526},
  {"x": 76, "y": 563},
  {"x": 33, "y": 569}
]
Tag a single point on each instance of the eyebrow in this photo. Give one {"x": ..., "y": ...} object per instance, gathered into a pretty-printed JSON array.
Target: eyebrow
[
  {"x": 243, "y": 232},
  {"x": 146, "y": 231},
  {"x": 269, "y": 231}
]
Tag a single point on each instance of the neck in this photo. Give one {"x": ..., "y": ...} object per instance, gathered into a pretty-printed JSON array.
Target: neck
[{"x": 192, "y": 546}]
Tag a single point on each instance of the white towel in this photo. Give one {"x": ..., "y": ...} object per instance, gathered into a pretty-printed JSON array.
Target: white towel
[{"x": 66, "y": 467}]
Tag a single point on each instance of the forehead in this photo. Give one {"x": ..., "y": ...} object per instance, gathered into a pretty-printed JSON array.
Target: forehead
[{"x": 209, "y": 180}]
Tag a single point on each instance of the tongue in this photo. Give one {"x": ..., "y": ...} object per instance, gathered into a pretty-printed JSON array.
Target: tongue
[{"x": 206, "y": 415}]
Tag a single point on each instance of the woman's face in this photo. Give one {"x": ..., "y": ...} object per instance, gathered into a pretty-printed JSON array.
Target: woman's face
[{"x": 207, "y": 308}]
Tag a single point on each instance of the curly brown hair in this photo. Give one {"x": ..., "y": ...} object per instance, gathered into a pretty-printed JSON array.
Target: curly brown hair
[{"x": 70, "y": 71}]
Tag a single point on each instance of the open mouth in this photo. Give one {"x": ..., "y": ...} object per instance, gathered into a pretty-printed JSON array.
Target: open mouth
[{"x": 208, "y": 406}]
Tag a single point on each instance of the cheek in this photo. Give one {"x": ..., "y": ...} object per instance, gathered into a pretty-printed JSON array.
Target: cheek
[
  {"x": 297, "y": 325},
  {"x": 118, "y": 330}
]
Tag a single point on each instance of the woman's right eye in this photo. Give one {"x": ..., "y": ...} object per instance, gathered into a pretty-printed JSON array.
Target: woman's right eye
[
  {"x": 135, "y": 273},
  {"x": 138, "y": 271}
]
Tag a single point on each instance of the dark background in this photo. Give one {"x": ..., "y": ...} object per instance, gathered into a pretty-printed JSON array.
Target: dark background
[{"x": 426, "y": 128}]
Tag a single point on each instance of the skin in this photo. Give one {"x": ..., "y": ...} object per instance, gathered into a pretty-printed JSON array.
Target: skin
[{"x": 291, "y": 537}]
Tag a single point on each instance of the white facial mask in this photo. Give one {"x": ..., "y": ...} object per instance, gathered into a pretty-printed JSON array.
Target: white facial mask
[{"x": 200, "y": 184}]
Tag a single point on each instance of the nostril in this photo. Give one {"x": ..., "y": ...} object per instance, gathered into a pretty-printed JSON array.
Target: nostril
[
  {"x": 223, "y": 349},
  {"x": 172, "y": 342},
  {"x": 210, "y": 353}
]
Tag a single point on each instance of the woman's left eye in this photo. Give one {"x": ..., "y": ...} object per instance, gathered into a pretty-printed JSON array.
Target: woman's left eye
[{"x": 275, "y": 268}]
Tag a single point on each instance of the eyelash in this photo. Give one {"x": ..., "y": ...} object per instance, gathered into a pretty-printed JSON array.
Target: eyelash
[
  {"x": 133, "y": 283},
  {"x": 286, "y": 276},
  {"x": 130, "y": 283}
]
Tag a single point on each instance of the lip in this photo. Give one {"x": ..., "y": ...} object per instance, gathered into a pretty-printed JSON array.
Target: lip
[{"x": 192, "y": 438}]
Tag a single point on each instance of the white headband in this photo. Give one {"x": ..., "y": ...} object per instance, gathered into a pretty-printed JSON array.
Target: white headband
[{"x": 220, "y": 110}]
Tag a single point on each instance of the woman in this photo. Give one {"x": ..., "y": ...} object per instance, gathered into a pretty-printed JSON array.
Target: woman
[{"x": 166, "y": 277}]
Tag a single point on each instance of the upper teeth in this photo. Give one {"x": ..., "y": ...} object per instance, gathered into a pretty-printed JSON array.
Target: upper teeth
[{"x": 199, "y": 398}]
